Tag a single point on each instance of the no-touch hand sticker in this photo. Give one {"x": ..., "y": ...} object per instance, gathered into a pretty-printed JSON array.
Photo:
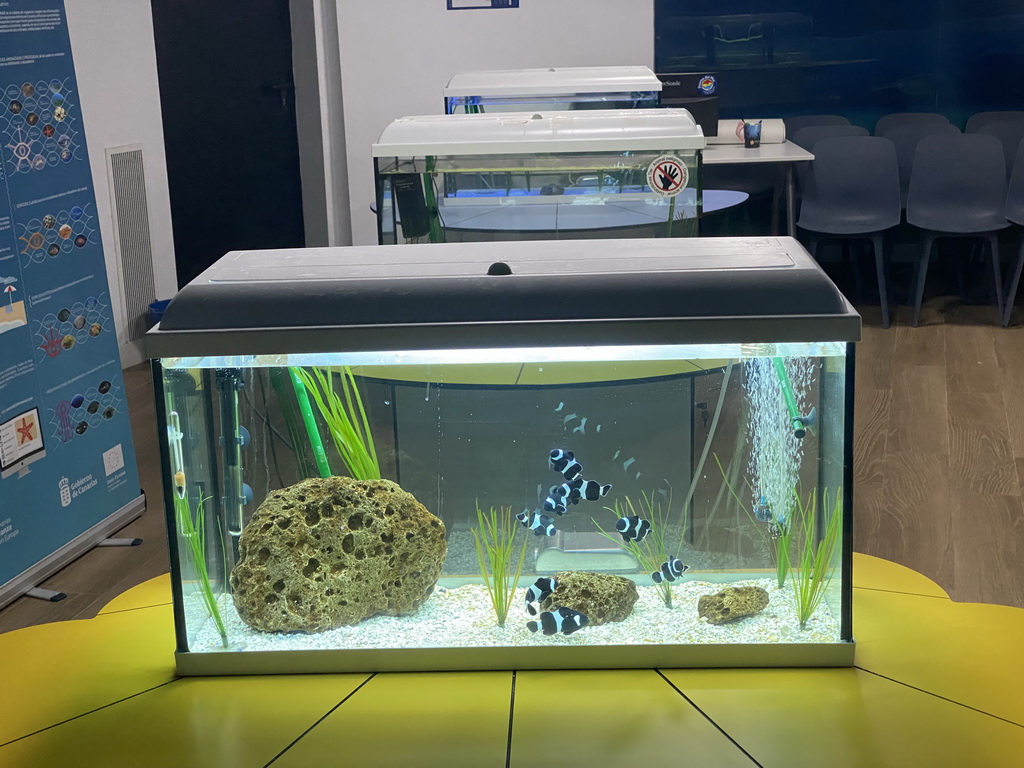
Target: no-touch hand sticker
[{"x": 667, "y": 176}]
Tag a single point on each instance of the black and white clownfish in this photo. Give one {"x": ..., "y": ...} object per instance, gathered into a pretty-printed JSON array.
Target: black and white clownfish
[
  {"x": 591, "y": 490},
  {"x": 633, "y": 528},
  {"x": 670, "y": 570},
  {"x": 541, "y": 590},
  {"x": 554, "y": 504},
  {"x": 571, "y": 490},
  {"x": 536, "y": 521},
  {"x": 564, "y": 620},
  {"x": 565, "y": 462}
]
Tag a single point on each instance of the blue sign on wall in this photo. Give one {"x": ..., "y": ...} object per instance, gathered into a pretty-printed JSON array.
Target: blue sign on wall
[{"x": 66, "y": 454}]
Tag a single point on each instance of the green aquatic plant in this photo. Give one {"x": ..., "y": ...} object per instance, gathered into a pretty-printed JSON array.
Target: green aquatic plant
[
  {"x": 652, "y": 552},
  {"x": 777, "y": 531},
  {"x": 193, "y": 530},
  {"x": 494, "y": 539},
  {"x": 345, "y": 417},
  {"x": 818, "y": 544}
]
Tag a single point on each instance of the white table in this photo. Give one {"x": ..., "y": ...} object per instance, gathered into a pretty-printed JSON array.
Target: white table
[{"x": 783, "y": 155}]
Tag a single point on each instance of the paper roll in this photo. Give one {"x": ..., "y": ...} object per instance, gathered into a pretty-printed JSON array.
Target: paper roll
[{"x": 773, "y": 131}]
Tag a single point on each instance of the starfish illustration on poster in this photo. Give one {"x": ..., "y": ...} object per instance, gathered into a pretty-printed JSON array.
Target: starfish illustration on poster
[{"x": 67, "y": 459}]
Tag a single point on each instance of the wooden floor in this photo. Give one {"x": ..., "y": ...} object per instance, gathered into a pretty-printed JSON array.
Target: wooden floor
[{"x": 939, "y": 446}]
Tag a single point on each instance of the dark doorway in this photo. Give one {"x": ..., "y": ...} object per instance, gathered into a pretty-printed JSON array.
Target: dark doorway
[{"x": 227, "y": 96}]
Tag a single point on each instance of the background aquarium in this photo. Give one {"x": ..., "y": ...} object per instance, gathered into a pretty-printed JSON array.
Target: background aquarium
[
  {"x": 538, "y": 176},
  {"x": 370, "y": 466},
  {"x": 555, "y": 88}
]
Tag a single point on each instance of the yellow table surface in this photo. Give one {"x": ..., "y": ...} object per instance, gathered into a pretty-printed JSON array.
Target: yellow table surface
[{"x": 936, "y": 684}]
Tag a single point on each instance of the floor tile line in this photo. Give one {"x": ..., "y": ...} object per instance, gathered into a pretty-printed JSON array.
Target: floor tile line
[
  {"x": 327, "y": 714},
  {"x": 91, "y": 711},
  {"x": 511, "y": 714},
  {"x": 903, "y": 592},
  {"x": 940, "y": 696},
  {"x": 705, "y": 715}
]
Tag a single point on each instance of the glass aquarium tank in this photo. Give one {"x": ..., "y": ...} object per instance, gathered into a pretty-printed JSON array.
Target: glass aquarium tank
[
  {"x": 558, "y": 88},
  {"x": 508, "y": 456},
  {"x": 538, "y": 176}
]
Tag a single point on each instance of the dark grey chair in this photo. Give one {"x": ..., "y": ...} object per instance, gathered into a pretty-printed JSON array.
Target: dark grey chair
[
  {"x": 1009, "y": 133},
  {"x": 794, "y": 124},
  {"x": 853, "y": 193},
  {"x": 889, "y": 121},
  {"x": 905, "y": 139},
  {"x": 1015, "y": 214},
  {"x": 811, "y": 135},
  {"x": 976, "y": 122},
  {"x": 808, "y": 137},
  {"x": 958, "y": 189}
]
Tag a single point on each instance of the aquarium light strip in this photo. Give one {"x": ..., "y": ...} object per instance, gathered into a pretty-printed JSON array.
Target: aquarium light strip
[{"x": 496, "y": 355}]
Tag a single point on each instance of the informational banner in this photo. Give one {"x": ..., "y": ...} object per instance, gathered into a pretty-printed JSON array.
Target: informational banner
[{"x": 66, "y": 456}]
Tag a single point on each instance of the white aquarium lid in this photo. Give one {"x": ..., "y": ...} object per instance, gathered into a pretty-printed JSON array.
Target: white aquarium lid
[
  {"x": 599, "y": 130},
  {"x": 553, "y": 81},
  {"x": 507, "y": 294}
]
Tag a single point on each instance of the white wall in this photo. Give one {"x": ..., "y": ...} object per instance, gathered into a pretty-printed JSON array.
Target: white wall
[
  {"x": 397, "y": 56},
  {"x": 115, "y": 64}
]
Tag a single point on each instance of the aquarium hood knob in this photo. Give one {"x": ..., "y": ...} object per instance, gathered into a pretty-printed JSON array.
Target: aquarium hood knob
[{"x": 499, "y": 268}]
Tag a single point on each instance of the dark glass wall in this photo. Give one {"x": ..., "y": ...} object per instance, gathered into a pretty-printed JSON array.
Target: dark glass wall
[{"x": 861, "y": 59}]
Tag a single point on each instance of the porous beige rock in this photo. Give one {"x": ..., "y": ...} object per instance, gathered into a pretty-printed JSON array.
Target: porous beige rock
[
  {"x": 330, "y": 552},
  {"x": 732, "y": 603},
  {"x": 601, "y": 597}
]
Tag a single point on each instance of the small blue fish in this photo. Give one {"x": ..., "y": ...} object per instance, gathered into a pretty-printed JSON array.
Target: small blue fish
[
  {"x": 670, "y": 570},
  {"x": 536, "y": 521},
  {"x": 762, "y": 512},
  {"x": 564, "y": 620},
  {"x": 565, "y": 462},
  {"x": 591, "y": 490},
  {"x": 541, "y": 590},
  {"x": 633, "y": 528}
]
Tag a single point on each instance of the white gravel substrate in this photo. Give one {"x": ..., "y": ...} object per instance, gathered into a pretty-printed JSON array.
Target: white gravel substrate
[{"x": 463, "y": 617}]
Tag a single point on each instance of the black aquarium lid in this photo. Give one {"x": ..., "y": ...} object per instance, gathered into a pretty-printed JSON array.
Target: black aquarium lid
[{"x": 688, "y": 290}]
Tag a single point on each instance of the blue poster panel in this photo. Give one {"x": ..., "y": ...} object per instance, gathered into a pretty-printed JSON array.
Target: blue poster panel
[{"x": 66, "y": 454}]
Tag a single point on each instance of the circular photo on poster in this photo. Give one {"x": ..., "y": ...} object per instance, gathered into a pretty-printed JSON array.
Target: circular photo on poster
[
  {"x": 64, "y": 231},
  {"x": 68, "y": 341},
  {"x": 93, "y": 406},
  {"x": 38, "y": 162},
  {"x": 108, "y": 412},
  {"x": 79, "y": 322},
  {"x": 81, "y": 426},
  {"x": 90, "y": 303},
  {"x": 31, "y": 118},
  {"x": 76, "y": 213},
  {"x": 76, "y": 401},
  {"x": 15, "y": 107},
  {"x": 53, "y": 250},
  {"x": 49, "y": 221},
  {"x": 95, "y": 329},
  {"x": 63, "y": 315},
  {"x": 49, "y": 130},
  {"x": 59, "y": 114},
  {"x": 104, "y": 387},
  {"x": 81, "y": 240},
  {"x": 28, "y": 90}
]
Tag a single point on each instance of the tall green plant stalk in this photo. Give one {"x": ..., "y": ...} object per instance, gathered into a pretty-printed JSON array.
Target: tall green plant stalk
[
  {"x": 494, "y": 539},
  {"x": 652, "y": 552},
  {"x": 817, "y": 552},
  {"x": 193, "y": 530},
  {"x": 345, "y": 418},
  {"x": 778, "y": 533}
]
